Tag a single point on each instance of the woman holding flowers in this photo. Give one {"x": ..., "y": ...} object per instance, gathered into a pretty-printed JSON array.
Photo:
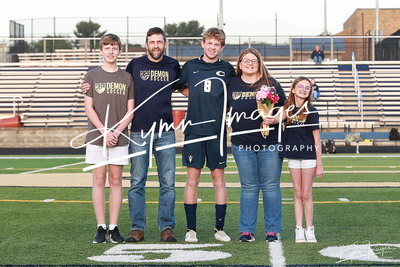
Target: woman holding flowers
[
  {"x": 256, "y": 152},
  {"x": 301, "y": 144}
]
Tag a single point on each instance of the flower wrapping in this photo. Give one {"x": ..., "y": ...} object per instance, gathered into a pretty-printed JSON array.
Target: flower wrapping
[{"x": 266, "y": 98}]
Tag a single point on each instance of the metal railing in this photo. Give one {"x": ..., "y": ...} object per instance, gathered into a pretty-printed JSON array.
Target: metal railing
[
  {"x": 357, "y": 87},
  {"x": 286, "y": 48},
  {"x": 16, "y": 101}
]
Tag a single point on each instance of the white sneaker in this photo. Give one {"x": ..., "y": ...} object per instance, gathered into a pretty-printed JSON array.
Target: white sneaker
[
  {"x": 221, "y": 236},
  {"x": 191, "y": 236},
  {"x": 300, "y": 235},
  {"x": 310, "y": 235}
]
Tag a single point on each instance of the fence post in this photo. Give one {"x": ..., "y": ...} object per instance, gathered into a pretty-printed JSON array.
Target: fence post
[
  {"x": 291, "y": 49},
  {"x": 126, "y": 50},
  {"x": 167, "y": 50},
  {"x": 373, "y": 48},
  {"x": 3, "y": 52},
  {"x": 331, "y": 48},
  {"x": 86, "y": 40},
  {"x": 44, "y": 50}
]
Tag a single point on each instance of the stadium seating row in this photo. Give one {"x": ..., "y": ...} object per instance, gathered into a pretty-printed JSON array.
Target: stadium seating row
[{"x": 51, "y": 96}]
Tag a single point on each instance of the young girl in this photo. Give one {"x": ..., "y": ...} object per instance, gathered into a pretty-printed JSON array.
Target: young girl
[{"x": 301, "y": 145}]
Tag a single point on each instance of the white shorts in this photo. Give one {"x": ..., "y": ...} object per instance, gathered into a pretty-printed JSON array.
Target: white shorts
[
  {"x": 302, "y": 163},
  {"x": 94, "y": 154}
]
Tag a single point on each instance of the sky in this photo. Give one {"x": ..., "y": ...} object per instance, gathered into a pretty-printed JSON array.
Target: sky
[{"x": 241, "y": 17}]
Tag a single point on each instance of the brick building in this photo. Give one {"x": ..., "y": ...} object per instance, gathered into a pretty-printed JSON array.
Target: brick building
[{"x": 362, "y": 23}]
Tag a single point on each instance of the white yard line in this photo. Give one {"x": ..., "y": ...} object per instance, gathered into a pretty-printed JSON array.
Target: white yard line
[
  {"x": 277, "y": 257},
  {"x": 43, "y": 157},
  {"x": 53, "y": 168}
]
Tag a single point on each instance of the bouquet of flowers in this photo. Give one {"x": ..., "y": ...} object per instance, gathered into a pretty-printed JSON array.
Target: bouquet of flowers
[{"x": 266, "y": 98}]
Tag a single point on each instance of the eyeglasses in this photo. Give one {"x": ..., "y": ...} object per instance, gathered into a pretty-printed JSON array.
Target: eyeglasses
[
  {"x": 250, "y": 61},
  {"x": 301, "y": 87}
]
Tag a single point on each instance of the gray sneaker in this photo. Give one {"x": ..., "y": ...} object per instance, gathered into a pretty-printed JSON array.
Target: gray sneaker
[
  {"x": 220, "y": 235},
  {"x": 191, "y": 236}
]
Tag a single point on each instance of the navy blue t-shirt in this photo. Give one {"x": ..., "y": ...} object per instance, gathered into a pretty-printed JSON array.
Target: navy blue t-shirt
[
  {"x": 206, "y": 93},
  {"x": 242, "y": 98},
  {"x": 298, "y": 142},
  {"x": 149, "y": 77}
]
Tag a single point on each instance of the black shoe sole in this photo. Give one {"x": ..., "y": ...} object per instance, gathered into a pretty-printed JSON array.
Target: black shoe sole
[
  {"x": 169, "y": 239},
  {"x": 95, "y": 242},
  {"x": 116, "y": 241},
  {"x": 133, "y": 240}
]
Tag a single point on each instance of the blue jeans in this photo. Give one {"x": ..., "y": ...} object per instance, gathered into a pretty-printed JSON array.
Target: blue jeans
[
  {"x": 165, "y": 161},
  {"x": 317, "y": 60},
  {"x": 259, "y": 169}
]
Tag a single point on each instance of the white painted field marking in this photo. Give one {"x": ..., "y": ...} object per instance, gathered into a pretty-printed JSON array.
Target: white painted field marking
[
  {"x": 363, "y": 252},
  {"x": 133, "y": 253},
  {"x": 48, "y": 200},
  {"x": 276, "y": 254},
  {"x": 53, "y": 168},
  {"x": 47, "y": 157},
  {"x": 343, "y": 199},
  {"x": 361, "y": 156}
]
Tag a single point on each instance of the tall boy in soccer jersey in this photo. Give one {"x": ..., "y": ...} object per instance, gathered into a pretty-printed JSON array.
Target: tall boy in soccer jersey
[
  {"x": 109, "y": 99},
  {"x": 204, "y": 81}
]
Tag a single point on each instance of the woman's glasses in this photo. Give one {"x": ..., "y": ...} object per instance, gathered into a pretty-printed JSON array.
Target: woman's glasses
[
  {"x": 301, "y": 87},
  {"x": 250, "y": 61}
]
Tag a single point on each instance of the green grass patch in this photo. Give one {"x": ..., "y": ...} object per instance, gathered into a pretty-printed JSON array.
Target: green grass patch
[{"x": 60, "y": 233}]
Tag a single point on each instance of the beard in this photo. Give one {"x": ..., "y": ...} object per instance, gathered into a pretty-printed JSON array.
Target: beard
[{"x": 156, "y": 53}]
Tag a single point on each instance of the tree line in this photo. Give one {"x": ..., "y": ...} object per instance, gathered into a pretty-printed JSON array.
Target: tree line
[{"x": 86, "y": 29}]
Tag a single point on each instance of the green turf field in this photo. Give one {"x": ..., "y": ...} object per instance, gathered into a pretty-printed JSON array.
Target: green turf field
[{"x": 360, "y": 224}]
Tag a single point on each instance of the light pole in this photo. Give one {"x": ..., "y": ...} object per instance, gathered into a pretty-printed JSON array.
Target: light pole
[
  {"x": 325, "y": 20},
  {"x": 377, "y": 20},
  {"x": 221, "y": 16},
  {"x": 221, "y": 22}
]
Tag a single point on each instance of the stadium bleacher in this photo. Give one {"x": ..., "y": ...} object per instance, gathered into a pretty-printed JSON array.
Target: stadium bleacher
[{"x": 51, "y": 96}]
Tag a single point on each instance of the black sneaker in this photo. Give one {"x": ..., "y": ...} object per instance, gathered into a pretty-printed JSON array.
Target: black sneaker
[
  {"x": 115, "y": 236},
  {"x": 271, "y": 236},
  {"x": 100, "y": 236}
]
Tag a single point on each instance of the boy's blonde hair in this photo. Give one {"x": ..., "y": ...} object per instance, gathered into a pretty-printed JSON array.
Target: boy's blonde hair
[{"x": 215, "y": 33}]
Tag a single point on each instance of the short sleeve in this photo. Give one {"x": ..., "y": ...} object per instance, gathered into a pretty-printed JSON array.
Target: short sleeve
[
  {"x": 131, "y": 88},
  {"x": 313, "y": 119},
  {"x": 182, "y": 78},
  {"x": 88, "y": 79}
]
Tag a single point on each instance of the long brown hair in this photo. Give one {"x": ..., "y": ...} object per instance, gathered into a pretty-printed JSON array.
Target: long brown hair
[
  {"x": 262, "y": 70},
  {"x": 291, "y": 101}
]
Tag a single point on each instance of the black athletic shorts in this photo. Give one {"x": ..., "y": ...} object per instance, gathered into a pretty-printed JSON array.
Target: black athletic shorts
[{"x": 195, "y": 154}]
